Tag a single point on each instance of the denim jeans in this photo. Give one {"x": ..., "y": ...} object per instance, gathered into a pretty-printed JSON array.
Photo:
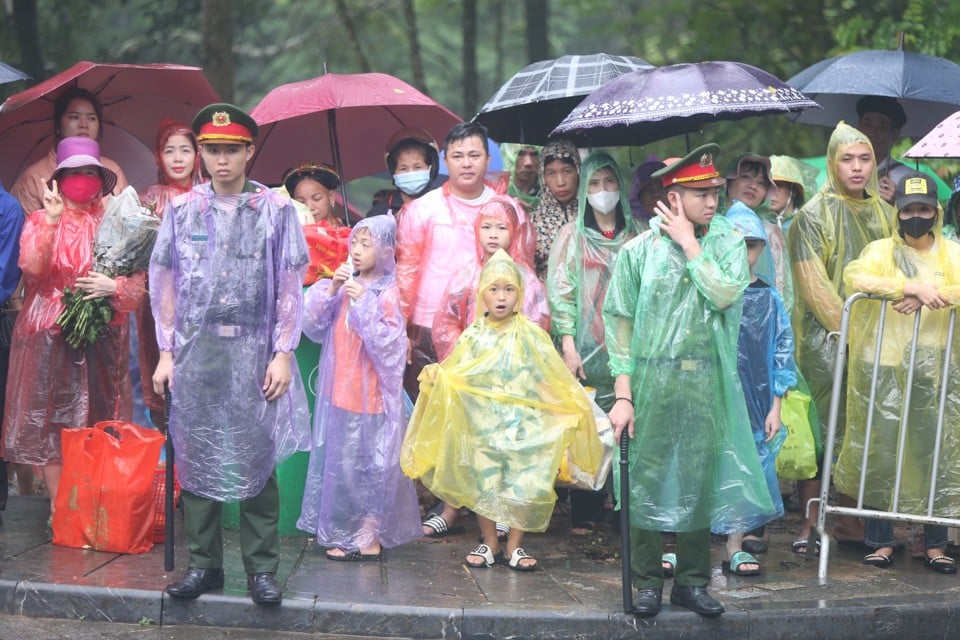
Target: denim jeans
[{"x": 879, "y": 533}]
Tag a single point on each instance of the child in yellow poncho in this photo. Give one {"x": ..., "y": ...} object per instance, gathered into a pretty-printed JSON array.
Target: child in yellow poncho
[{"x": 494, "y": 418}]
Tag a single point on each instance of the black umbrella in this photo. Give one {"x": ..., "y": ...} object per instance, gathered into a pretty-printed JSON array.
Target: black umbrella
[
  {"x": 927, "y": 87},
  {"x": 9, "y": 74},
  {"x": 531, "y": 103},
  {"x": 654, "y": 104}
]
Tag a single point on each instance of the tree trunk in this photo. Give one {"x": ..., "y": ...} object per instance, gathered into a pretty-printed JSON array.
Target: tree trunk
[
  {"x": 416, "y": 60},
  {"x": 470, "y": 89},
  {"x": 344, "y": 14},
  {"x": 498, "y": 25},
  {"x": 28, "y": 38},
  {"x": 538, "y": 45},
  {"x": 218, "y": 46}
]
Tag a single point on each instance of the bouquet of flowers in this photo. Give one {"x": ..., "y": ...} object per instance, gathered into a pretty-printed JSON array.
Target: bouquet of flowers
[{"x": 122, "y": 246}]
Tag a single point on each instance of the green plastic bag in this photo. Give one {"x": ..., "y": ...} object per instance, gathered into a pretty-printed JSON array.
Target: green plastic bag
[{"x": 797, "y": 459}]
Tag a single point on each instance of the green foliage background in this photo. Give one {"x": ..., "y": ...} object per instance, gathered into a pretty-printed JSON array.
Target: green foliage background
[{"x": 279, "y": 41}]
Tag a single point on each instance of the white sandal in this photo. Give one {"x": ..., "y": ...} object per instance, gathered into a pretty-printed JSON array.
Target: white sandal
[
  {"x": 484, "y": 552},
  {"x": 518, "y": 555}
]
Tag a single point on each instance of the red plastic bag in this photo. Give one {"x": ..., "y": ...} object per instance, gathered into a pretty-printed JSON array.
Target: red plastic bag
[
  {"x": 105, "y": 499},
  {"x": 328, "y": 250}
]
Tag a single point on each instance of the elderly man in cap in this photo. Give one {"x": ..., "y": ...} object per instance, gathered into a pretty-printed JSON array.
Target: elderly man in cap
[
  {"x": 672, "y": 317},
  {"x": 881, "y": 118},
  {"x": 226, "y": 295}
]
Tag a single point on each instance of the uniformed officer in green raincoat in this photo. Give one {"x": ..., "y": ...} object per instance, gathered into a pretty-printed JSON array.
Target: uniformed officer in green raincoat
[{"x": 672, "y": 319}]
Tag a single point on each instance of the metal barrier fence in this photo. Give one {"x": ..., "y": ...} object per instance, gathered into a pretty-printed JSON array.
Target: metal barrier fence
[{"x": 836, "y": 396}]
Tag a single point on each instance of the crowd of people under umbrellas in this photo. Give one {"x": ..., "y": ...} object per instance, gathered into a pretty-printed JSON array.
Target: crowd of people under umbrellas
[{"x": 682, "y": 304}]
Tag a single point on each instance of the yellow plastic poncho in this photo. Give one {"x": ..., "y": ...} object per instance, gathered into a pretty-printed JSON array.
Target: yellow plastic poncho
[
  {"x": 494, "y": 418},
  {"x": 672, "y": 325},
  {"x": 829, "y": 232},
  {"x": 882, "y": 269}
]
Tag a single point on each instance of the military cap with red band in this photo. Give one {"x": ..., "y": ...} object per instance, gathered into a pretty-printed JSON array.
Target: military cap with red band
[
  {"x": 695, "y": 170},
  {"x": 224, "y": 123}
]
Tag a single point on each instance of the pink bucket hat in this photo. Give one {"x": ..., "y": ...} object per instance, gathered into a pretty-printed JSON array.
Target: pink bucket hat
[{"x": 78, "y": 151}]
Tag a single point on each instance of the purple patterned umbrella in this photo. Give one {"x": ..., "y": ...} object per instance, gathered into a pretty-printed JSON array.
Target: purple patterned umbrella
[{"x": 652, "y": 104}]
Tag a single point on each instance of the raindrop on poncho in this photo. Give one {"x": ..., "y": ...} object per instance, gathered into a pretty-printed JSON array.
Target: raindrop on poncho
[
  {"x": 830, "y": 231},
  {"x": 355, "y": 493},
  {"x": 493, "y": 420},
  {"x": 883, "y": 269},
  {"x": 581, "y": 263},
  {"x": 672, "y": 326},
  {"x": 226, "y": 294}
]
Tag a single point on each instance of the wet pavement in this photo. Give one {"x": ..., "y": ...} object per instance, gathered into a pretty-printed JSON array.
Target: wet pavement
[{"x": 423, "y": 590}]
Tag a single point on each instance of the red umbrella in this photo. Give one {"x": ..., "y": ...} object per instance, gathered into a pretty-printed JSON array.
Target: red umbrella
[
  {"x": 343, "y": 119},
  {"x": 135, "y": 97}
]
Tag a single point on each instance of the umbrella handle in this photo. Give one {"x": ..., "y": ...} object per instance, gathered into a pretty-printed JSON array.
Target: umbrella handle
[
  {"x": 625, "y": 572},
  {"x": 168, "y": 543}
]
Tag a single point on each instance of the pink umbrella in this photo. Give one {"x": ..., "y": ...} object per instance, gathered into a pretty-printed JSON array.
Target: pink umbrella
[
  {"x": 942, "y": 142},
  {"x": 135, "y": 97},
  {"x": 343, "y": 119}
]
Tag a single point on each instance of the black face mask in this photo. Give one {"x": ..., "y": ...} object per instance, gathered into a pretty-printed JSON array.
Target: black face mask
[{"x": 917, "y": 227}]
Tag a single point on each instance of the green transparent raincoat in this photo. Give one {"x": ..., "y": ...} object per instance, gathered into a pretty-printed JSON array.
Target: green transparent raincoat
[
  {"x": 829, "y": 232},
  {"x": 882, "y": 269},
  {"x": 673, "y": 326},
  {"x": 578, "y": 274}
]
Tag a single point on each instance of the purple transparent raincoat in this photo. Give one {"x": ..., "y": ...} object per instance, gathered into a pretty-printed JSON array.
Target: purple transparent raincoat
[
  {"x": 225, "y": 288},
  {"x": 356, "y": 494}
]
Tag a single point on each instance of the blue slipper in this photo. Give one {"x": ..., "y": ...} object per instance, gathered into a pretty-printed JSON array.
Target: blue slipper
[
  {"x": 737, "y": 560},
  {"x": 668, "y": 559}
]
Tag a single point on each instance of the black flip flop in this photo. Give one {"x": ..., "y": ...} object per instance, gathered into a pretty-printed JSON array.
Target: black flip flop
[
  {"x": 941, "y": 564},
  {"x": 355, "y": 556},
  {"x": 879, "y": 560}
]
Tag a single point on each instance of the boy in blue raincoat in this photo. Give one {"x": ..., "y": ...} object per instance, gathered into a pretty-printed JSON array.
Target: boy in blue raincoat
[{"x": 767, "y": 369}]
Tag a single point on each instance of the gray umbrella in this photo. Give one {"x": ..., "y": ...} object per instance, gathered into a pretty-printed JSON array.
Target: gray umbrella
[
  {"x": 928, "y": 88},
  {"x": 653, "y": 104},
  {"x": 531, "y": 103},
  {"x": 9, "y": 74}
]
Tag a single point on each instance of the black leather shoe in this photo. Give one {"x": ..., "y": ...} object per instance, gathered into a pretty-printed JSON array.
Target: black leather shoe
[
  {"x": 647, "y": 602},
  {"x": 196, "y": 581},
  {"x": 696, "y": 599},
  {"x": 264, "y": 589}
]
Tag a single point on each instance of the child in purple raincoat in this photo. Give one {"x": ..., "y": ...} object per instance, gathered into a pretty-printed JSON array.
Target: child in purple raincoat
[{"x": 356, "y": 500}]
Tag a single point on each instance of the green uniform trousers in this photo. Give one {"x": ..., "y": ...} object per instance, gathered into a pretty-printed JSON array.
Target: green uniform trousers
[
  {"x": 259, "y": 535},
  {"x": 693, "y": 558}
]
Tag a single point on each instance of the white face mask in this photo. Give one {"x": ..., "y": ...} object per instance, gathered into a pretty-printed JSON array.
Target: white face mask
[
  {"x": 412, "y": 182},
  {"x": 604, "y": 202}
]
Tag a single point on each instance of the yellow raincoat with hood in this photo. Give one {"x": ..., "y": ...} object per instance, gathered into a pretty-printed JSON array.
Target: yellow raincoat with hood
[
  {"x": 882, "y": 269},
  {"x": 493, "y": 420},
  {"x": 830, "y": 231}
]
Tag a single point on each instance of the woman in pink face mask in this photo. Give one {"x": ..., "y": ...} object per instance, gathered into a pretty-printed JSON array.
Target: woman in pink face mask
[{"x": 58, "y": 387}]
